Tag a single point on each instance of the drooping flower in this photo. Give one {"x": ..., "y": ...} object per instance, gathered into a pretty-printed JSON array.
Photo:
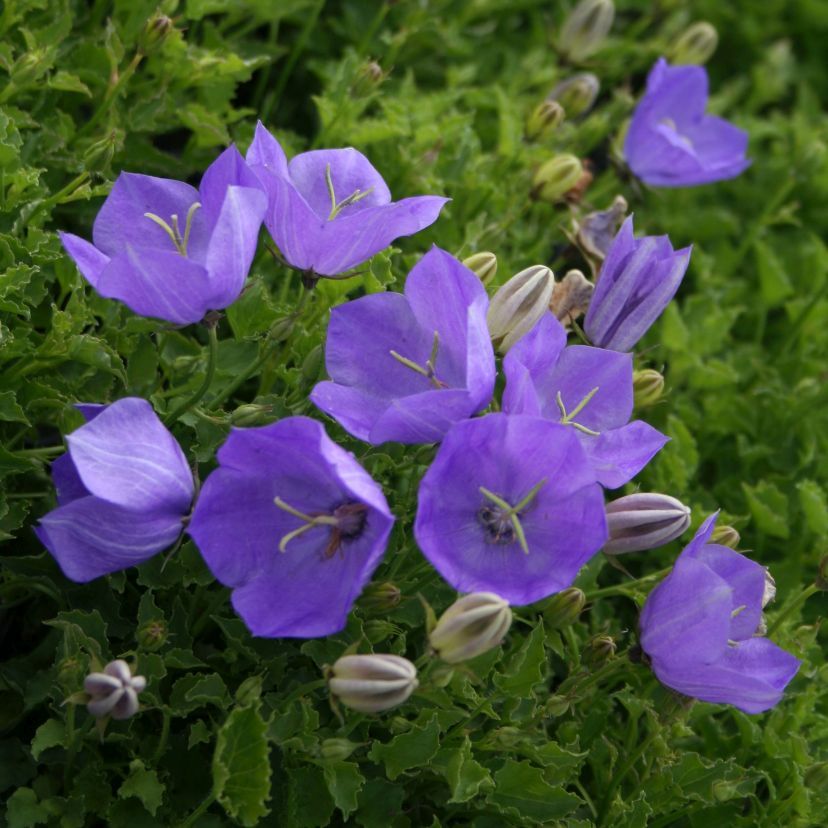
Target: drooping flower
[
  {"x": 114, "y": 692},
  {"x": 701, "y": 628},
  {"x": 169, "y": 251},
  {"x": 123, "y": 490},
  {"x": 404, "y": 367},
  {"x": 293, "y": 524},
  {"x": 638, "y": 279},
  {"x": 589, "y": 390},
  {"x": 330, "y": 210},
  {"x": 671, "y": 142},
  {"x": 510, "y": 505}
]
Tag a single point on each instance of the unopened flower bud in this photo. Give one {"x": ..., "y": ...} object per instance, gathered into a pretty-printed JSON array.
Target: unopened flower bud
[
  {"x": 282, "y": 328},
  {"x": 483, "y": 264},
  {"x": 371, "y": 683},
  {"x": 544, "y": 120},
  {"x": 557, "y": 177},
  {"x": 576, "y": 94},
  {"x": 644, "y": 521},
  {"x": 114, "y": 692},
  {"x": 29, "y": 67},
  {"x": 368, "y": 77},
  {"x": 312, "y": 364},
  {"x": 472, "y": 625},
  {"x": 337, "y": 750},
  {"x": 599, "y": 650},
  {"x": 695, "y": 45},
  {"x": 586, "y": 28},
  {"x": 152, "y": 635},
  {"x": 648, "y": 386},
  {"x": 563, "y": 608},
  {"x": 821, "y": 579},
  {"x": 556, "y": 706},
  {"x": 380, "y": 597},
  {"x": 519, "y": 304},
  {"x": 571, "y": 296},
  {"x": 251, "y": 414},
  {"x": 98, "y": 156},
  {"x": 156, "y": 30},
  {"x": 595, "y": 232},
  {"x": 378, "y": 629},
  {"x": 726, "y": 535},
  {"x": 70, "y": 671}
]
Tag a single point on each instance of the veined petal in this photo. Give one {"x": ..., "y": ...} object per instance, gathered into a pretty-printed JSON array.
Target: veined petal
[
  {"x": 422, "y": 418},
  {"x": 228, "y": 170},
  {"x": 68, "y": 484},
  {"x": 617, "y": 455},
  {"x": 267, "y": 152},
  {"x": 89, "y": 260},
  {"x": 355, "y": 410}
]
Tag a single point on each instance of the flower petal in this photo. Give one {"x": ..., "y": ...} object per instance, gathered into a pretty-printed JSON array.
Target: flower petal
[
  {"x": 619, "y": 454},
  {"x": 89, "y": 260},
  {"x": 267, "y": 152},
  {"x": 355, "y": 410}
]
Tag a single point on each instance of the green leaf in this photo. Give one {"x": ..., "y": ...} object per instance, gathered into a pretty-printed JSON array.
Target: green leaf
[
  {"x": 769, "y": 507},
  {"x": 466, "y": 777},
  {"x": 522, "y": 792},
  {"x": 144, "y": 785},
  {"x": 310, "y": 803},
  {"x": 24, "y": 811},
  {"x": 194, "y": 691},
  {"x": 412, "y": 749},
  {"x": 241, "y": 766},
  {"x": 526, "y": 668},
  {"x": 344, "y": 782},
  {"x": 814, "y": 505},
  {"x": 50, "y": 734},
  {"x": 10, "y": 411}
]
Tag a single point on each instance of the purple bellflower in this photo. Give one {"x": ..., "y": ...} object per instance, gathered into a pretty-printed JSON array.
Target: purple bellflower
[
  {"x": 510, "y": 505},
  {"x": 404, "y": 367},
  {"x": 293, "y": 524},
  {"x": 671, "y": 142},
  {"x": 330, "y": 210},
  {"x": 702, "y": 628},
  {"x": 638, "y": 279},
  {"x": 172, "y": 252},
  {"x": 588, "y": 390},
  {"x": 123, "y": 490}
]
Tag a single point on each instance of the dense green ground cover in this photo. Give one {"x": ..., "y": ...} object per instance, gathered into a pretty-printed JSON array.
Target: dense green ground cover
[{"x": 743, "y": 350}]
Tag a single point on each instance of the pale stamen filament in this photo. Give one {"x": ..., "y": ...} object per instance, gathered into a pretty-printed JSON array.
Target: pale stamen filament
[{"x": 569, "y": 418}]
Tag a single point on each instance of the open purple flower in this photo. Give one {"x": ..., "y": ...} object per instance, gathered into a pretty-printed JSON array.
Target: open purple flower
[
  {"x": 170, "y": 251},
  {"x": 293, "y": 524},
  {"x": 405, "y": 367},
  {"x": 510, "y": 505},
  {"x": 123, "y": 490},
  {"x": 638, "y": 279},
  {"x": 671, "y": 142},
  {"x": 330, "y": 210},
  {"x": 589, "y": 390},
  {"x": 702, "y": 628}
]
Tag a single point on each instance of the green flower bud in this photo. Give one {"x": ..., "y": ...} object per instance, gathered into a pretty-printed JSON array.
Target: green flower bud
[
  {"x": 337, "y": 750},
  {"x": 98, "y": 156},
  {"x": 378, "y": 629},
  {"x": 695, "y": 45},
  {"x": 30, "y": 66},
  {"x": 557, "y": 177},
  {"x": 380, "y": 597},
  {"x": 586, "y": 28},
  {"x": 648, "y": 387},
  {"x": 563, "y": 608},
  {"x": 544, "y": 120},
  {"x": 156, "y": 30},
  {"x": 368, "y": 77},
  {"x": 726, "y": 536},
  {"x": 571, "y": 297},
  {"x": 519, "y": 304},
  {"x": 472, "y": 625},
  {"x": 152, "y": 635},
  {"x": 556, "y": 706},
  {"x": 252, "y": 414},
  {"x": 483, "y": 264},
  {"x": 576, "y": 94},
  {"x": 644, "y": 520},
  {"x": 372, "y": 683},
  {"x": 282, "y": 328},
  {"x": 70, "y": 672},
  {"x": 312, "y": 364},
  {"x": 599, "y": 650}
]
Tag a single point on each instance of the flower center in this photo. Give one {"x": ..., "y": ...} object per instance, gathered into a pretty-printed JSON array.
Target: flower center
[
  {"x": 568, "y": 418},
  {"x": 429, "y": 370},
  {"x": 172, "y": 230},
  {"x": 338, "y": 206},
  {"x": 346, "y": 521},
  {"x": 501, "y": 521},
  {"x": 671, "y": 125}
]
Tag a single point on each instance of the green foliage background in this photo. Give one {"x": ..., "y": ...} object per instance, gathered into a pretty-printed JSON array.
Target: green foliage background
[{"x": 237, "y": 730}]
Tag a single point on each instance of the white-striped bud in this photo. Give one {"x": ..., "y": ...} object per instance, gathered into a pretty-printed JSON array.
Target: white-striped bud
[
  {"x": 114, "y": 692},
  {"x": 644, "y": 520},
  {"x": 472, "y": 625},
  {"x": 519, "y": 304},
  {"x": 586, "y": 28},
  {"x": 372, "y": 683}
]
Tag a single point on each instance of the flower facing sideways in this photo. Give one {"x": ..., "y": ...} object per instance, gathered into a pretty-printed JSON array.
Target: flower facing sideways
[{"x": 293, "y": 524}]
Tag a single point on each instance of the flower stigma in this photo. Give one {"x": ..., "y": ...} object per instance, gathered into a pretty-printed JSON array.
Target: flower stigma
[
  {"x": 353, "y": 198},
  {"x": 501, "y": 521},
  {"x": 429, "y": 371},
  {"x": 347, "y": 522},
  {"x": 180, "y": 241},
  {"x": 569, "y": 418}
]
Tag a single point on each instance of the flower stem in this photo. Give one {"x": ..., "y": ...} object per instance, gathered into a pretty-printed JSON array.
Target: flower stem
[
  {"x": 792, "y": 606},
  {"x": 184, "y": 407},
  {"x": 110, "y": 96},
  {"x": 194, "y": 816}
]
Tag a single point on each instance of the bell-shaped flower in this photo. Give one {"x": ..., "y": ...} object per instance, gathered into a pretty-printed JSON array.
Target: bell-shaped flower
[
  {"x": 671, "y": 142},
  {"x": 701, "y": 628},
  {"x": 510, "y": 505},
  {"x": 588, "y": 390},
  {"x": 293, "y": 525},
  {"x": 172, "y": 252},
  {"x": 638, "y": 279},
  {"x": 404, "y": 367},
  {"x": 330, "y": 210},
  {"x": 123, "y": 490}
]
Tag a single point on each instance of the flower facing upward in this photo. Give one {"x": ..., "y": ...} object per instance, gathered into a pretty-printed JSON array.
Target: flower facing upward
[
  {"x": 123, "y": 490},
  {"x": 638, "y": 279},
  {"x": 330, "y": 210},
  {"x": 170, "y": 251},
  {"x": 589, "y": 390},
  {"x": 701, "y": 627},
  {"x": 671, "y": 142},
  {"x": 510, "y": 505},
  {"x": 293, "y": 524},
  {"x": 404, "y": 367}
]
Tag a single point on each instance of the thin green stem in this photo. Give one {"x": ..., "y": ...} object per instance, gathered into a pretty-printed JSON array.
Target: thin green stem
[
  {"x": 165, "y": 734},
  {"x": 791, "y": 607},
  {"x": 198, "y": 812},
  {"x": 110, "y": 96},
  {"x": 212, "y": 358},
  {"x": 619, "y": 775},
  {"x": 628, "y": 588}
]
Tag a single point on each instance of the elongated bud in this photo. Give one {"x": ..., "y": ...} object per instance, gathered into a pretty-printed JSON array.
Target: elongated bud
[
  {"x": 312, "y": 364},
  {"x": 484, "y": 264},
  {"x": 648, "y": 387},
  {"x": 571, "y": 296},
  {"x": 379, "y": 629},
  {"x": 557, "y": 177},
  {"x": 380, "y": 597},
  {"x": 695, "y": 45},
  {"x": 519, "y": 304},
  {"x": 368, "y": 77},
  {"x": 644, "y": 521},
  {"x": 337, "y": 750},
  {"x": 595, "y": 232},
  {"x": 586, "y": 28},
  {"x": 156, "y": 30},
  {"x": 282, "y": 328},
  {"x": 252, "y": 414},
  {"x": 599, "y": 650},
  {"x": 114, "y": 692},
  {"x": 726, "y": 536},
  {"x": 98, "y": 155},
  {"x": 576, "y": 94},
  {"x": 563, "y": 608},
  {"x": 544, "y": 120},
  {"x": 556, "y": 705},
  {"x": 472, "y": 625},
  {"x": 372, "y": 683}
]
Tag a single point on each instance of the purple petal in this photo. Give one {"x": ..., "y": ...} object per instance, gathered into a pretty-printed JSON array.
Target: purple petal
[
  {"x": 619, "y": 454},
  {"x": 267, "y": 152},
  {"x": 90, "y": 410},
  {"x": 676, "y": 92},
  {"x": 355, "y": 410},
  {"x": 101, "y": 684},
  {"x": 127, "y": 457},
  {"x": 91, "y": 537},
  {"x": 68, "y": 484},
  {"x": 103, "y": 706},
  {"x": 721, "y": 146},
  {"x": 127, "y": 705},
  {"x": 119, "y": 669},
  {"x": 89, "y": 260},
  {"x": 228, "y": 170}
]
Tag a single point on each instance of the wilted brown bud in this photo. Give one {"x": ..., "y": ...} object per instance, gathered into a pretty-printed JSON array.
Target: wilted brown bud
[
  {"x": 595, "y": 232},
  {"x": 571, "y": 296}
]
